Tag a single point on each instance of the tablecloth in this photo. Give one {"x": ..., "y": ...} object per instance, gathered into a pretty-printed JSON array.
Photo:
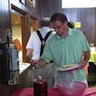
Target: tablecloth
[{"x": 51, "y": 92}]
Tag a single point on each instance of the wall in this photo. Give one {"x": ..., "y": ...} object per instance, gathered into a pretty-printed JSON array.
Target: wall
[
  {"x": 48, "y": 7},
  {"x": 17, "y": 33},
  {"x": 87, "y": 16}
]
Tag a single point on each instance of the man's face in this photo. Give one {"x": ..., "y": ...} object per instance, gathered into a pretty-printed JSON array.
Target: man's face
[{"x": 60, "y": 27}]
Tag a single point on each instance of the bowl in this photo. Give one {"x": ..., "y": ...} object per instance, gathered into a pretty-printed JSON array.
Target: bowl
[{"x": 76, "y": 90}]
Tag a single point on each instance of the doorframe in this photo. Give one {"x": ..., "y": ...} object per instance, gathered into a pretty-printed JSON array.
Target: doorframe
[{"x": 25, "y": 29}]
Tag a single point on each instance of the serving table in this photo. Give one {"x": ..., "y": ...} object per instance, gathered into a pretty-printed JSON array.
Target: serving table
[{"x": 51, "y": 92}]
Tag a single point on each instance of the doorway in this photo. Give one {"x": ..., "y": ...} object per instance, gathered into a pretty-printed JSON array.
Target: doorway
[
  {"x": 19, "y": 23},
  {"x": 16, "y": 29},
  {"x": 22, "y": 25}
]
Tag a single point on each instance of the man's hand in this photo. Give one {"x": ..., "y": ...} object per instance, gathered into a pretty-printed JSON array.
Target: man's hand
[
  {"x": 82, "y": 65},
  {"x": 41, "y": 62}
]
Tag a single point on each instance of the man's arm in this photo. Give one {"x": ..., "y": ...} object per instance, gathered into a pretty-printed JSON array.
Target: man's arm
[
  {"x": 41, "y": 62},
  {"x": 85, "y": 60},
  {"x": 86, "y": 56},
  {"x": 29, "y": 53}
]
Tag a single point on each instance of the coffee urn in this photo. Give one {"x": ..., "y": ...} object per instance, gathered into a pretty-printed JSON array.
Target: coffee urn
[{"x": 9, "y": 63}]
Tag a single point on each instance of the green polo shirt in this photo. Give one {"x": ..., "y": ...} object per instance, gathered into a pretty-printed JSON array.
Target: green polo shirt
[{"x": 67, "y": 51}]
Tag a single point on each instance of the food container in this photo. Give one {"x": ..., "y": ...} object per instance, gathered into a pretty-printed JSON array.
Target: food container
[
  {"x": 76, "y": 90},
  {"x": 66, "y": 78}
]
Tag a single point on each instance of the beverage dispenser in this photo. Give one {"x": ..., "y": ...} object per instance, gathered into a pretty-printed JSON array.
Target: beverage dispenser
[{"x": 9, "y": 62}]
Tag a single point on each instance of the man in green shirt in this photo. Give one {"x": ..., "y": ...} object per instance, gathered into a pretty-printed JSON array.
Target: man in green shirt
[{"x": 66, "y": 47}]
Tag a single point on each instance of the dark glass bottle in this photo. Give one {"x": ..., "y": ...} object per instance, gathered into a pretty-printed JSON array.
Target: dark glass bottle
[{"x": 40, "y": 87}]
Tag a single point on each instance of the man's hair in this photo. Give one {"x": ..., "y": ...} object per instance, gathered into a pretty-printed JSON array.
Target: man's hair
[
  {"x": 45, "y": 22},
  {"x": 58, "y": 17},
  {"x": 71, "y": 24}
]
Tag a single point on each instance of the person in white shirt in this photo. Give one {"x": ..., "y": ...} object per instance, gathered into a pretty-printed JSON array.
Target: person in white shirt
[{"x": 33, "y": 51}]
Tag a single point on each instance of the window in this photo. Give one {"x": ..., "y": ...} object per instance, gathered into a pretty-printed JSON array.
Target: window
[{"x": 78, "y": 4}]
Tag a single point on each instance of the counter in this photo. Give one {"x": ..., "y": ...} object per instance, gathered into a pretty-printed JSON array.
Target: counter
[
  {"x": 25, "y": 74},
  {"x": 23, "y": 67}
]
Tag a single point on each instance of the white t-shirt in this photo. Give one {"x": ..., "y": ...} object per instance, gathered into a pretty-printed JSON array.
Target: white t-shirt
[{"x": 35, "y": 43}]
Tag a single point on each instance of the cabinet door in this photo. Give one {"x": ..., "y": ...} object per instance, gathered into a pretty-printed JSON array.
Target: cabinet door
[{"x": 4, "y": 25}]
